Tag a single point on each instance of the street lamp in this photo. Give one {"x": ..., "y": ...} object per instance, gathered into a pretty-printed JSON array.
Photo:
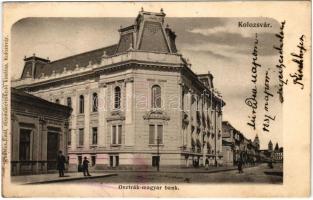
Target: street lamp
[{"x": 158, "y": 153}]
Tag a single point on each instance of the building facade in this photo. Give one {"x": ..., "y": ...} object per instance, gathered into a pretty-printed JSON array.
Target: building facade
[
  {"x": 39, "y": 131},
  {"x": 237, "y": 147},
  {"x": 135, "y": 104}
]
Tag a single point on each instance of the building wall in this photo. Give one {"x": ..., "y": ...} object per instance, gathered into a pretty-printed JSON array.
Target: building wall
[
  {"x": 228, "y": 156},
  {"x": 38, "y": 122}
]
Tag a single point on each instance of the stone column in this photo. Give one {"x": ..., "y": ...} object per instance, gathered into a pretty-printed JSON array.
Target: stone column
[
  {"x": 87, "y": 120},
  {"x": 129, "y": 124},
  {"x": 182, "y": 115},
  {"x": 72, "y": 157},
  {"x": 188, "y": 134},
  {"x": 35, "y": 146},
  {"x": 39, "y": 138},
  {"x": 44, "y": 140},
  {"x": 102, "y": 110},
  {"x": 74, "y": 130}
]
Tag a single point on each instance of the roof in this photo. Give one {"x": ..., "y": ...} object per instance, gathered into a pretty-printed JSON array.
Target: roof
[
  {"x": 71, "y": 62},
  {"x": 23, "y": 97}
]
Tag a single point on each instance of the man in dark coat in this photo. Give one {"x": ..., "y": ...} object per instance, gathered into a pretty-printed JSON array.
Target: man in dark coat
[
  {"x": 85, "y": 167},
  {"x": 240, "y": 166},
  {"x": 61, "y": 164}
]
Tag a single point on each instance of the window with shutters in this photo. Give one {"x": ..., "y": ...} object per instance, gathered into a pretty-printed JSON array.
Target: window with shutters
[
  {"x": 81, "y": 104},
  {"x": 80, "y": 137},
  {"x": 69, "y": 102},
  {"x": 116, "y": 137},
  {"x": 94, "y": 102},
  {"x": 94, "y": 135},
  {"x": 25, "y": 136},
  {"x": 155, "y": 134},
  {"x": 69, "y": 137}
]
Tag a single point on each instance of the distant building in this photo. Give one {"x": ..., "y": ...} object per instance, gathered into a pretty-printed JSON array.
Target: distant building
[
  {"x": 236, "y": 146},
  {"x": 270, "y": 146},
  {"x": 272, "y": 155},
  {"x": 278, "y": 154},
  {"x": 39, "y": 131},
  {"x": 132, "y": 99}
]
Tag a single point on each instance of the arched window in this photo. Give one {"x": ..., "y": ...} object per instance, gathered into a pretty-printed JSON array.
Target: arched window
[
  {"x": 117, "y": 97},
  {"x": 57, "y": 101},
  {"x": 156, "y": 97},
  {"x": 94, "y": 102},
  {"x": 81, "y": 104},
  {"x": 69, "y": 102}
]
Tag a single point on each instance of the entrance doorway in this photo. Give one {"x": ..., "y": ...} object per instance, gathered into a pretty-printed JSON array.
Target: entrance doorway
[
  {"x": 52, "y": 150},
  {"x": 155, "y": 161},
  {"x": 114, "y": 161}
]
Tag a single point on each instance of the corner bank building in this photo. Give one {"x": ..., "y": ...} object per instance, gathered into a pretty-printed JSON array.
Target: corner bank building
[{"x": 135, "y": 104}]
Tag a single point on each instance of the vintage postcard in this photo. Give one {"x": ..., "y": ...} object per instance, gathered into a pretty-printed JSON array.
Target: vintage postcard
[{"x": 156, "y": 99}]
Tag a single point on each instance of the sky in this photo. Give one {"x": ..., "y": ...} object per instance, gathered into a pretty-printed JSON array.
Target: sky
[{"x": 217, "y": 45}]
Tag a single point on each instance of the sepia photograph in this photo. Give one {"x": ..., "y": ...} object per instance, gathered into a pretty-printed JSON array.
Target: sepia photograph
[{"x": 152, "y": 100}]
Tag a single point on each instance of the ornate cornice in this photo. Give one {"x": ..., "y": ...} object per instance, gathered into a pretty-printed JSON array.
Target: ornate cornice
[{"x": 156, "y": 114}]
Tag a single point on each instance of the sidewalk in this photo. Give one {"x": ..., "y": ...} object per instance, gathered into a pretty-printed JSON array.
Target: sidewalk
[
  {"x": 53, "y": 178},
  {"x": 211, "y": 169}
]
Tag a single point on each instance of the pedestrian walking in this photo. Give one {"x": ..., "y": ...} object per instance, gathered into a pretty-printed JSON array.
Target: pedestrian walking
[
  {"x": 207, "y": 163},
  {"x": 61, "y": 164},
  {"x": 240, "y": 166},
  {"x": 85, "y": 167}
]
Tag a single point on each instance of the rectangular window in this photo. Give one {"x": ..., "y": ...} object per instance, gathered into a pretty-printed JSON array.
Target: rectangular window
[
  {"x": 160, "y": 134},
  {"x": 111, "y": 161},
  {"x": 155, "y": 134},
  {"x": 113, "y": 134},
  {"x": 151, "y": 134},
  {"x": 117, "y": 161},
  {"x": 25, "y": 144},
  {"x": 94, "y": 135},
  {"x": 69, "y": 137},
  {"x": 117, "y": 134},
  {"x": 81, "y": 104},
  {"x": 93, "y": 160},
  {"x": 69, "y": 102},
  {"x": 80, "y": 160},
  {"x": 81, "y": 137}
]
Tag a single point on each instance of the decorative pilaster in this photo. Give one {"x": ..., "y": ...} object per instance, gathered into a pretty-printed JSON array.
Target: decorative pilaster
[
  {"x": 129, "y": 125},
  {"x": 74, "y": 131},
  {"x": 87, "y": 120},
  {"x": 189, "y": 130},
  {"x": 102, "y": 108}
]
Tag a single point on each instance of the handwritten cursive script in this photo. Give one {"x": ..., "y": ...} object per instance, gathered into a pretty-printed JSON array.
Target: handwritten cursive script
[
  {"x": 267, "y": 94},
  {"x": 252, "y": 100},
  {"x": 280, "y": 66},
  {"x": 298, "y": 59}
]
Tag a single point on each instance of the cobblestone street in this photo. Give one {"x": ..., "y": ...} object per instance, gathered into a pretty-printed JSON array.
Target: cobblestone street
[{"x": 258, "y": 174}]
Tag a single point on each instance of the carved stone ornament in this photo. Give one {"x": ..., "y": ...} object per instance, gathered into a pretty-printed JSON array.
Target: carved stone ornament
[
  {"x": 156, "y": 114},
  {"x": 116, "y": 115}
]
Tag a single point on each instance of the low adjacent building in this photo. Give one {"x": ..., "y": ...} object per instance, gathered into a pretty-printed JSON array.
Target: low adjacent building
[{"x": 39, "y": 129}]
